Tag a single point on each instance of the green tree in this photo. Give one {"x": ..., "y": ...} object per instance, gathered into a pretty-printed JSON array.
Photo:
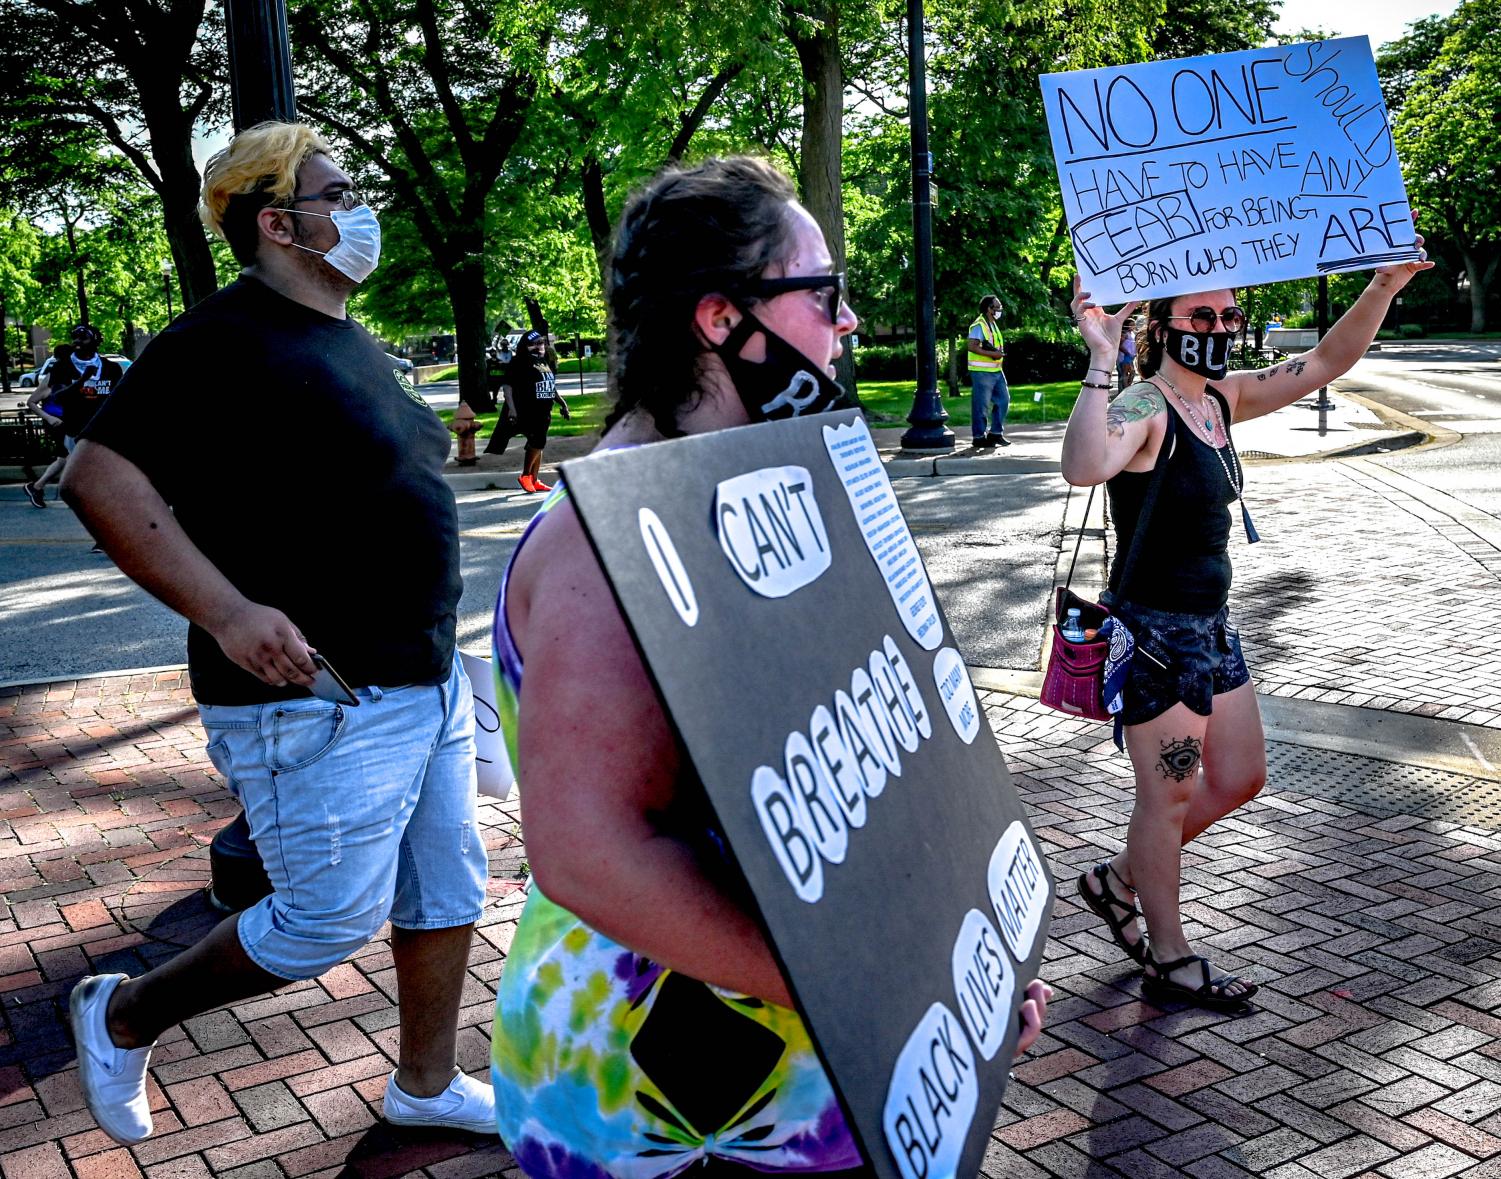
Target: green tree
[
  {"x": 632, "y": 90},
  {"x": 18, "y": 255},
  {"x": 430, "y": 96},
  {"x": 1446, "y": 138},
  {"x": 135, "y": 73},
  {"x": 1199, "y": 29},
  {"x": 997, "y": 224},
  {"x": 97, "y": 258}
]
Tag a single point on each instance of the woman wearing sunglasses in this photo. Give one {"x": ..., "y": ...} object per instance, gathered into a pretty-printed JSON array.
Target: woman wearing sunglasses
[
  {"x": 642, "y": 1024},
  {"x": 1191, "y": 724}
]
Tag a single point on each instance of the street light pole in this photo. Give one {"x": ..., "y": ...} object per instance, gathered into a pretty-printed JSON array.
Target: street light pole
[
  {"x": 260, "y": 86},
  {"x": 167, "y": 285},
  {"x": 928, "y": 415},
  {"x": 4, "y": 349},
  {"x": 1323, "y": 324},
  {"x": 260, "y": 62}
]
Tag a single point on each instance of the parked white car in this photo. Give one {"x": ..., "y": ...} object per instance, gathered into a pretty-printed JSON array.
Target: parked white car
[{"x": 30, "y": 380}]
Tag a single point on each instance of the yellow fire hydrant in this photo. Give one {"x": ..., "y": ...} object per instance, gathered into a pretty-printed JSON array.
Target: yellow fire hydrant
[{"x": 465, "y": 427}]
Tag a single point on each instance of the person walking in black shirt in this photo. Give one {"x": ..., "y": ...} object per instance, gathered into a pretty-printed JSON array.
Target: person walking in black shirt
[
  {"x": 228, "y": 500},
  {"x": 534, "y": 387},
  {"x": 79, "y": 382}
]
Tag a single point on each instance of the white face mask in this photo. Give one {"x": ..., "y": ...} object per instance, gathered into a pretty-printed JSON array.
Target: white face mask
[{"x": 358, "y": 248}]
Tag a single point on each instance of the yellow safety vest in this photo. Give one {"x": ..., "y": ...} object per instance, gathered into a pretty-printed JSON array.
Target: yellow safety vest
[{"x": 992, "y": 338}]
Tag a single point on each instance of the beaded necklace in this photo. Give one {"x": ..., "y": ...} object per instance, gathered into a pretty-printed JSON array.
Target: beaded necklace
[{"x": 1206, "y": 423}]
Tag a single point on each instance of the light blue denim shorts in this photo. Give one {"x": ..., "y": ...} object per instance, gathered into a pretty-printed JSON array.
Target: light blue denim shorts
[{"x": 359, "y": 814}]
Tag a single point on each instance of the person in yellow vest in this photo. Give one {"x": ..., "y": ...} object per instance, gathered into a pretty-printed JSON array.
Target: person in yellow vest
[{"x": 990, "y": 397}]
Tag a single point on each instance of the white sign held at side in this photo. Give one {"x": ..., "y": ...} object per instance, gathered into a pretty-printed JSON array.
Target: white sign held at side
[{"x": 493, "y": 773}]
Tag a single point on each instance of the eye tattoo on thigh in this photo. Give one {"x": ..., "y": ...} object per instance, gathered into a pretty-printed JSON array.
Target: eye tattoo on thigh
[{"x": 1179, "y": 758}]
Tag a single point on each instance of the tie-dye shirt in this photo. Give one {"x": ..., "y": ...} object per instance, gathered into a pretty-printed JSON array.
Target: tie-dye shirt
[{"x": 607, "y": 1065}]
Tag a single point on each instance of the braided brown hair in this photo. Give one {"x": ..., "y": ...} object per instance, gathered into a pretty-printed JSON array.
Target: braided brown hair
[{"x": 715, "y": 226}]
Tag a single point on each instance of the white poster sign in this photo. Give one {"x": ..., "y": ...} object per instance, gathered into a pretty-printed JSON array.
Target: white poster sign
[
  {"x": 1210, "y": 172},
  {"x": 493, "y": 773}
]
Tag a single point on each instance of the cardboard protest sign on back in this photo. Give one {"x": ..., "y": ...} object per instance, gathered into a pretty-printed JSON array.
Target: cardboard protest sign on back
[
  {"x": 784, "y": 613},
  {"x": 1237, "y": 168}
]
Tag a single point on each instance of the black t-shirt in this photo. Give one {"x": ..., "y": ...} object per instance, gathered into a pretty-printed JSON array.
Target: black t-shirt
[
  {"x": 80, "y": 394},
  {"x": 308, "y": 474},
  {"x": 533, "y": 384}
]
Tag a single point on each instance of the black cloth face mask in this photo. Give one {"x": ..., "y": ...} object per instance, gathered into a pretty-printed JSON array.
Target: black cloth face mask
[
  {"x": 1205, "y": 353},
  {"x": 784, "y": 385}
]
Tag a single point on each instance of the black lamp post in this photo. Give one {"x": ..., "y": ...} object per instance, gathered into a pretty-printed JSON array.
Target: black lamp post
[
  {"x": 260, "y": 62},
  {"x": 167, "y": 285},
  {"x": 928, "y": 415},
  {"x": 260, "y": 84}
]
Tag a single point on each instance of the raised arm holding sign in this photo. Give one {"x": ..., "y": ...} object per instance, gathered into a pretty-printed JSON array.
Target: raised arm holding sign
[{"x": 644, "y": 1019}]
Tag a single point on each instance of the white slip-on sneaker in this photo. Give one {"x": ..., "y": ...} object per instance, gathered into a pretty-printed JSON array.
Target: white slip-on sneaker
[
  {"x": 466, "y": 1104},
  {"x": 113, "y": 1079}
]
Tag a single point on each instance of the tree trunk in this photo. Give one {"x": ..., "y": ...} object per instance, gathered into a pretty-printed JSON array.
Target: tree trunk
[
  {"x": 1481, "y": 271},
  {"x": 466, "y": 294},
  {"x": 169, "y": 129},
  {"x": 953, "y": 377},
  {"x": 192, "y": 259},
  {"x": 592, "y": 179},
  {"x": 821, "y": 166},
  {"x": 1050, "y": 259},
  {"x": 77, "y": 264}
]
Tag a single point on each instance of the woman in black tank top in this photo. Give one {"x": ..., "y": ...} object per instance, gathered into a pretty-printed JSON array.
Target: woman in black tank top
[{"x": 1192, "y": 727}]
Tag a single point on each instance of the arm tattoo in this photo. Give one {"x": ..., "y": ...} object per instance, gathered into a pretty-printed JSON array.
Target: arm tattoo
[
  {"x": 1179, "y": 758},
  {"x": 1131, "y": 407},
  {"x": 1263, "y": 374},
  {"x": 1296, "y": 366}
]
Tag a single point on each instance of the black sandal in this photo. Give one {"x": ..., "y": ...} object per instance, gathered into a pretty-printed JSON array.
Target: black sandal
[
  {"x": 1209, "y": 993},
  {"x": 1102, "y": 906}
]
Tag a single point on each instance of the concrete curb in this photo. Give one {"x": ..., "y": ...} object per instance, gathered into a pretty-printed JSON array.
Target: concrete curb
[
  {"x": 1449, "y": 747},
  {"x": 77, "y": 677},
  {"x": 1434, "y": 434}
]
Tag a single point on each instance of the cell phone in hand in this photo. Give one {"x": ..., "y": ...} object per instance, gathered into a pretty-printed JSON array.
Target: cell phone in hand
[{"x": 329, "y": 684}]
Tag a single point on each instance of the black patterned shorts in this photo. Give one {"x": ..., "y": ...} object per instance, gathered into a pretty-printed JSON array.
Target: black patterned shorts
[{"x": 1190, "y": 658}]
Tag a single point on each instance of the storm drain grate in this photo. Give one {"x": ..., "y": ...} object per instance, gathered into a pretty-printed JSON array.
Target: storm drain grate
[{"x": 1384, "y": 788}]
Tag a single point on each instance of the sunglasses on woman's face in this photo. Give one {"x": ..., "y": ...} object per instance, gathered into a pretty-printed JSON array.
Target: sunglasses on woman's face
[
  {"x": 830, "y": 286},
  {"x": 1203, "y": 318}
]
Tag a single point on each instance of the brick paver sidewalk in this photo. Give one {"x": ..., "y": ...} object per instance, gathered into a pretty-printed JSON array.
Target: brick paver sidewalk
[
  {"x": 1375, "y": 1051},
  {"x": 1359, "y": 594},
  {"x": 107, "y": 804}
]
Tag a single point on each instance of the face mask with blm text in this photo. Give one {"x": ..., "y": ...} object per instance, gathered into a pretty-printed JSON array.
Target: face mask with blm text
[
  {"x": 784, "y": 385},
  {"x": 1205, "y": 353},
  {"x": 358, "y": 248}
]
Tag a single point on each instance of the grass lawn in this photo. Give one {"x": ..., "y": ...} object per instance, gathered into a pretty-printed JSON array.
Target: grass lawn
[
  {"x": 888, "y": 402},
  {"x": 588, "y": 416}
]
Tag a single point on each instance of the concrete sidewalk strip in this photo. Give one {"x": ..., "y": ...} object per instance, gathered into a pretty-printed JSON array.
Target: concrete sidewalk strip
[{"x": 1372, "y": 924}]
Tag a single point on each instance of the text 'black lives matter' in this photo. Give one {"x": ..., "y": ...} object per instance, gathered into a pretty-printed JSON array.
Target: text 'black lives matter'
[{"x": 786, "y": 617}]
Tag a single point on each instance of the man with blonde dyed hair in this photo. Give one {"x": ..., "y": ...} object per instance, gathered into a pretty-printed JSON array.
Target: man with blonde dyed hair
[{"x": 315, "y": 531}]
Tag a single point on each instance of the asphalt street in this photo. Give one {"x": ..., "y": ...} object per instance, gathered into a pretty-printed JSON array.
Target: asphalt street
[
  {"x": 1455, "y": 386},
  {"x": 990, "y": 540},
  {"x": 70, "y": 612}
]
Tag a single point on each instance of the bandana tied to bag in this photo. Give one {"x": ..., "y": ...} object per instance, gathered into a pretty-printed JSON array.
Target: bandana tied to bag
[{"x": 1117, "y": 662}]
